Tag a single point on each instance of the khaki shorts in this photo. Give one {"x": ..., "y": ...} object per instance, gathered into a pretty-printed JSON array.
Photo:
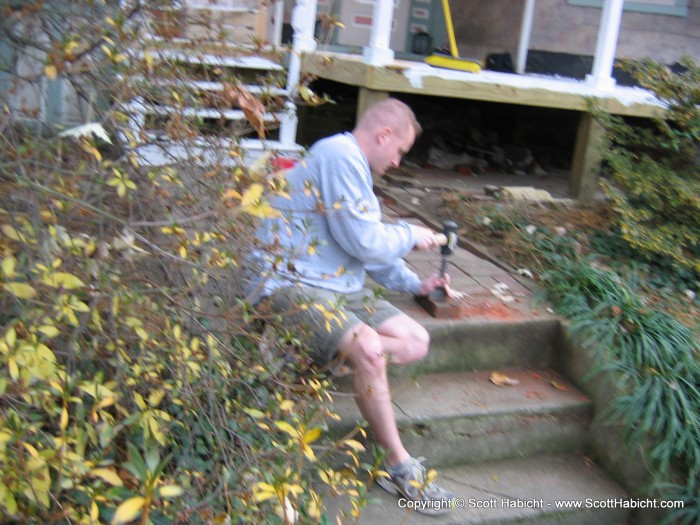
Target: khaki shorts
[{"x": 321, "y": 317}]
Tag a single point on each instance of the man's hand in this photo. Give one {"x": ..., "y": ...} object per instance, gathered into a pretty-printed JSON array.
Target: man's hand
[
  {"x": 435, "y": 281},
  {"x": 426, "y": 239}
]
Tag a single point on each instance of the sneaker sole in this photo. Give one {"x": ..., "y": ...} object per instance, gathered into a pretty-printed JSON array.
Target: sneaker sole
[{"x": 392, "y": 489}]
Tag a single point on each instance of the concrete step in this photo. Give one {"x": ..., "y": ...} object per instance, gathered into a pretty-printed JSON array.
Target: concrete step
[
  {"x": 463, "y": 417},
  {"x": 486, "y": 344},
  {"x": 492, "y": 335},
  {"x": 522, "y": 490}
]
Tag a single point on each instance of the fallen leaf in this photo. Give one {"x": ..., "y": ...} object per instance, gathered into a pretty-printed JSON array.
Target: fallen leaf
[
  {"x": 500, "y": 379},
  {"x": 557, "y": 385},
  {"x": 502, "y": 291},
  {"x": 252, "y": 108}
]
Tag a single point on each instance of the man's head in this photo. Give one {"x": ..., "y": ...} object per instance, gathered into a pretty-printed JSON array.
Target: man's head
[{"x": 385, "y": 132}]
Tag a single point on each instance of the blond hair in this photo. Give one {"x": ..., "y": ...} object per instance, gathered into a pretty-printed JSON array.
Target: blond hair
[{"x": 389, "y": 112}]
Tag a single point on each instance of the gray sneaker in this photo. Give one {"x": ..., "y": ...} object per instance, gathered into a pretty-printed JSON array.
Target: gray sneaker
[{"x": 426, "y": 498}]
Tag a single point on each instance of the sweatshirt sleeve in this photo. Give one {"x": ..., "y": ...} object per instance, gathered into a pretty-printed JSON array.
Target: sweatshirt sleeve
[
  {"x": 354, "y": 214},
  {"x": 397, "y": 277}
]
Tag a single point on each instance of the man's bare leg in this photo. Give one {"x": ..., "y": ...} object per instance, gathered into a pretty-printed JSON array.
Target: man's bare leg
[{"x": 399, "y": 340}]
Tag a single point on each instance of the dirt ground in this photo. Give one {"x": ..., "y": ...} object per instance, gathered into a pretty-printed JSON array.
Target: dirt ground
[{"x": 470, "y": 200}]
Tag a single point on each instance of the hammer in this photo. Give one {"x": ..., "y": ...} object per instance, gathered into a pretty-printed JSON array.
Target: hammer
[{"x": 448, "y": 241}]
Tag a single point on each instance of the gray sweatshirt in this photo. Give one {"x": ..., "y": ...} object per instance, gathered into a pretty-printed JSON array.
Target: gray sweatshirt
[{"x": 330, "y": 231}]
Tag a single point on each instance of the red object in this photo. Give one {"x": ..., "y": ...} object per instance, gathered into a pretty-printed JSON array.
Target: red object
[{"x": 282, "y": 163}]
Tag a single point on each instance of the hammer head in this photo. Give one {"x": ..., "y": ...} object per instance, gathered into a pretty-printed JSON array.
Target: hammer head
[
  {"x": 449, "y": 229},
  {"x": 438, "y": 303}
]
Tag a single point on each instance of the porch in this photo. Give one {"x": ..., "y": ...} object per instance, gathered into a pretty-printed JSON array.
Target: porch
[{"x": 417, "y": 78}]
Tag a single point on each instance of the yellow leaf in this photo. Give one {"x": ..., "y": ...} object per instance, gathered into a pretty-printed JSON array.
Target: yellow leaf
[
  {"x": 11, "y": 337},
  {"x": 354, "y": 444},
  {"x": 264, "y": 491},
  {"x": 64, "y": 280},
  {"x": 312, "y": 435},
  {"x": 500, "y": 379},
  {"x": 8, "y": 266},
  {"x": 128, "y": 510},
  {"x": 95, "y": 152},
  {"x": 104, "y": 403},
  {"x": 156, "y": 397},
  {"x": 232, "y": 194},
  {"x": 49, "y": 331},
  {"x": 254, "y": 413},
  {"x": 64, "y": 418},
  {"x": 94, "y": 512},
  {"x": 251, "y": 196},
  {"x": 14, "y": 369},
  {"x": 138, "y": 398},
  {"x": 108, "y": 475},
  {"x": 309, "y": 453},
  {"x": 30, "y": 448},
  {"x": 70, "y": 47},
  {"x": 170, "y": 491},
  {"x": 286, "y": 405},
  {"x": 51, "y": 72},
  {"x": 286, "y": 427},
  {"x": 12, "y": 233},
  {"x": 20, "y": 290}
]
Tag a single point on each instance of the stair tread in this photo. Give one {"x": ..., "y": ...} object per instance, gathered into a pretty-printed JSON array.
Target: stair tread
[
  {"x": 212, "y": 59},
  {"x": 167, "y": 152},
  {"x": 471, "y": 394},
  {"x": 540, "y": 481}
]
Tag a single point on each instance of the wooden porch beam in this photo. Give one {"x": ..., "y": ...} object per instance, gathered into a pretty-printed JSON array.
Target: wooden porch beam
[{"x": 585, "y": 164}]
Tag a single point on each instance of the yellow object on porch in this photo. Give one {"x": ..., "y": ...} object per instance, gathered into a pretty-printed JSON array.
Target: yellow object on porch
[{"x": 452, "y": 61}]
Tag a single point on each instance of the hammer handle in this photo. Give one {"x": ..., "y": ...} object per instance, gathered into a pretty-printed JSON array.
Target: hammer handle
[{"x": 443, "y": 266}]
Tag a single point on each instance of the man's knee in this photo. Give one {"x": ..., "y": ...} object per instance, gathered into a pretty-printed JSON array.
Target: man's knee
[{"x": 364, "y": 350}]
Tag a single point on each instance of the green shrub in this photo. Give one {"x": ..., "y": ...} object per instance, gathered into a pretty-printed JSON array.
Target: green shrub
[
  {"x": 654, "y": 169},
  {"x": 655, "y": 360}
]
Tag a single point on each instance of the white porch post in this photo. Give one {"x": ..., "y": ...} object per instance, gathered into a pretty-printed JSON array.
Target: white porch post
[
  {"x": 303, "y": 24},
  {"x": 601, "y": 75},
  {"x": 378, "y": 53},
  {"x": 277, "y": 26},
  {"x": 525, "y": 32}
]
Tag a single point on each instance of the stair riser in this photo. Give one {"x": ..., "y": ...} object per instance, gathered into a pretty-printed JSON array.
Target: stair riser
[
  {"x": 494, "y": 437},
  {"x": 486, "y": 346},
  {"x": 579, "y": 517},
  {"x": 463, "y": 440}
]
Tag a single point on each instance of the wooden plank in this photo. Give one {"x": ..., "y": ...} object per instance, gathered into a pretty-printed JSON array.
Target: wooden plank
[
  {"x": 485, "y": 86},
  {"x": 583, "y": 182}
]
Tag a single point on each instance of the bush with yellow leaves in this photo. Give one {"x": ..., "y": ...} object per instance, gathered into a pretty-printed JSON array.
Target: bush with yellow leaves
[{"x": 135, "y": 385}]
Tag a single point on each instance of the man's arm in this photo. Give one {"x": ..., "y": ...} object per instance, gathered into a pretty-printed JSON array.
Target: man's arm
[
  {"x": 354, "y": 216},
  {"x": 395, "y": 276}
]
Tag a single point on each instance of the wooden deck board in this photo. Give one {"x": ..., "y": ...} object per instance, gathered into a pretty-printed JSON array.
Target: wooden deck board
[{"x": 532, "y": 90}]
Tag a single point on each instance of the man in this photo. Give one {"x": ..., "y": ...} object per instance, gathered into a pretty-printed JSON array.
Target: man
[{"x": 331, "y": 234}]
